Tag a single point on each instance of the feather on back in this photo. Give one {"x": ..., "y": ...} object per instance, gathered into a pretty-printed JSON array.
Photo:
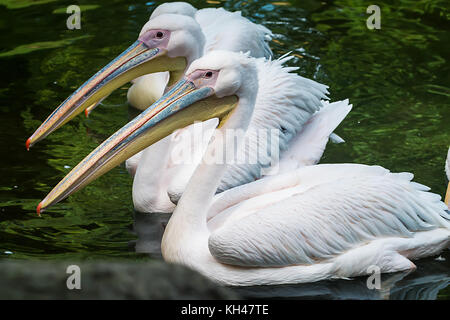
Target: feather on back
[{"x": 240, "y": 33}]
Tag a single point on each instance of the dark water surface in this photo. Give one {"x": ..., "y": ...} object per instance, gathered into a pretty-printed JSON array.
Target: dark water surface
[{"x": 397, "y": 78}]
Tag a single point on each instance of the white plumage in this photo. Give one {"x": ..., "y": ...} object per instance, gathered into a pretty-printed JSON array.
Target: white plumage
[
  {"x": 308, "y": 146},
  {"x": 230, "y": 31},
  {"x": 147, "y": 89},
  {"x": 222, "y": 30},
  {"x": 286, "y": 102},
  {"x": 179, "y": 7},
  {"x": 317, "y": 222},
  {"x": 313, "y": 220}
]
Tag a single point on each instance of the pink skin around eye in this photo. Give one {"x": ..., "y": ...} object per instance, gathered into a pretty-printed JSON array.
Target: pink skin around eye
[
  {"x": 199, "y": 79},
  {"x": 152, "y": 41}
]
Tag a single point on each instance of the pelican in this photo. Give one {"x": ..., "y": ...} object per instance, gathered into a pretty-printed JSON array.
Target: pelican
[
  {"x": 186, "y": 34},
  {"x": 290, "y": 104},
  {"x": 317, "y": 222},
  {"x": 159, "y": 190},
  {"x": 175, "y": 35}
]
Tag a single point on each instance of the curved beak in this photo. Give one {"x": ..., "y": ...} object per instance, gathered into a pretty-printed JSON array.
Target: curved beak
[
  {"x": 178, "y": 108},
  {"x": 134, "y": 62}
]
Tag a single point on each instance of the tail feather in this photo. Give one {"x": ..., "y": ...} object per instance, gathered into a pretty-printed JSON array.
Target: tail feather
[
  {"x": 307, "y": 147},
  {"x": 336, "y": 139}
]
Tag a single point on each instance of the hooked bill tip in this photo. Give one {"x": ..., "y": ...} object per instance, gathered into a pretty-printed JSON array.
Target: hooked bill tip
[
  {"x": 38, "y": 209},
  {"x": 27, "y": 144}
]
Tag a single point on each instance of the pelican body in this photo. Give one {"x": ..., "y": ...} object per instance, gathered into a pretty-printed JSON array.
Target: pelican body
[{"x": 313, "y": 223}]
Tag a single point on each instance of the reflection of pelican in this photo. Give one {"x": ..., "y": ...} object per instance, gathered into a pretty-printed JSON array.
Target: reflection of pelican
[
  {"x": 314, "y": 223},
  {"x": 447, "y": 170},
  {"x": 424, "y": 283}
]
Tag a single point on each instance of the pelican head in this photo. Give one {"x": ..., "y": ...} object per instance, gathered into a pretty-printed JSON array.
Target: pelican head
[
  {"x": 213, "y": 87},
  {"x": 168, "y": 42}
]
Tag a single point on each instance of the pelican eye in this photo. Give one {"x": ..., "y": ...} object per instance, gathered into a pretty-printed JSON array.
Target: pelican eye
[
  {"x": 159, "y": 34},
  {"x": 208, "y": 74}
]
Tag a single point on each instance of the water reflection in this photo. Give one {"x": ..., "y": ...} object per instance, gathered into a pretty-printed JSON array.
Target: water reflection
[
  {"x": 149, "y": 229},
  {"x": 422, "y": 284}
]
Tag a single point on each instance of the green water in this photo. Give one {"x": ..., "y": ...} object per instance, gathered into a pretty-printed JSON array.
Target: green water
[{"x": 397, "y": 79}]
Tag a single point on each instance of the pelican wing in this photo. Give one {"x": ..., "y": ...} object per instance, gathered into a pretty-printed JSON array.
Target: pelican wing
[
  {"x": 301, "y": 225},
  {"x": 308, "y": 146},
  {"x": 231, "y": 205}
]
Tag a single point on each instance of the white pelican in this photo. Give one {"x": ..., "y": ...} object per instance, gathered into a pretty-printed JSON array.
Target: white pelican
[
  {"x": 186, "y": 34},
  {"x": 222, "y": 30},
  {"x": 156, "y": 190},
  {"x": 287, "y": 103},
  {"x": 168, "y": 42},
  {"x": 317, "y": 222}
]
